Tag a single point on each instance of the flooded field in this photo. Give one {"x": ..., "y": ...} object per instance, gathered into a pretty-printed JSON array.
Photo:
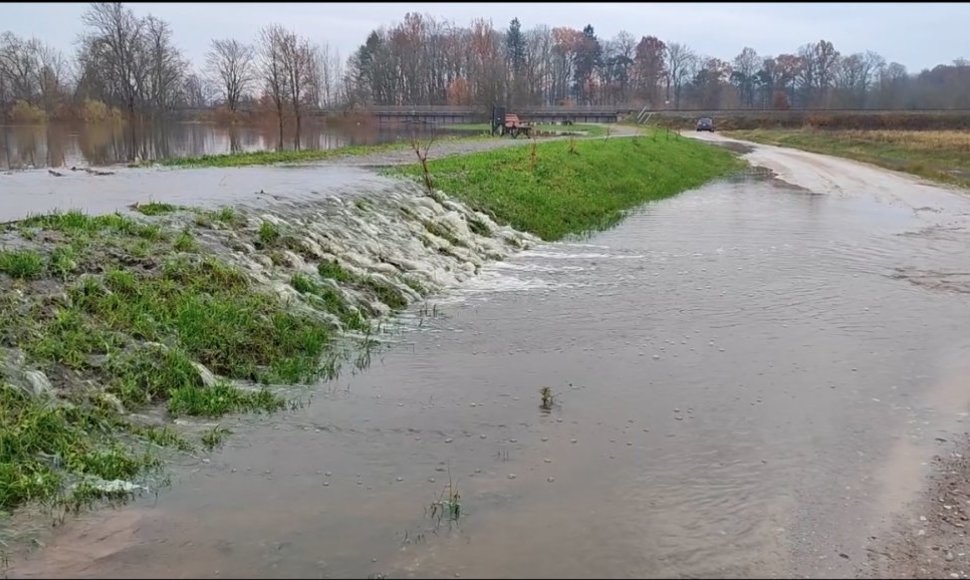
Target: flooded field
[
  {"x": 65, "y": 145},
  {"x": 749, "y": 380}
]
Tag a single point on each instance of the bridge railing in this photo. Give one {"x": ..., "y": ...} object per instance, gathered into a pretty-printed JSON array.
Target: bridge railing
[{"x": 461, "y": 110}]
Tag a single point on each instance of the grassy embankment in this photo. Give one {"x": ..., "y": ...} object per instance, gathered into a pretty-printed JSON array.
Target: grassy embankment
[
  {"x": 272, "y": 157},
  {"x": 301, "y": 156},
  {"x": 104, "y": 316},
  {"x": 942, "y": 156},
  {"x": 119, "y": 313},
  {"x": 581, "y": 186}
]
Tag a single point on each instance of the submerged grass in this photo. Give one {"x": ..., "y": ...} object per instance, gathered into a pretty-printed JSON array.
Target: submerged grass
[
  {"x": 44, "y": 447},
  {"x": 155, "y": 208},
  {"x": 578, "y": 187},
  {"x": 328, "y": 299},
  {"x": 220, "y": 400},
  {"x": 215, "y": 437},
  {"x": 942, "y": 156}
]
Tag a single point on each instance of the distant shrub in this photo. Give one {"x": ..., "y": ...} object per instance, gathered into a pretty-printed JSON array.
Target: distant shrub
[
  {"x": 24, "y": 112},
  {"x": 95, "y": 111}
]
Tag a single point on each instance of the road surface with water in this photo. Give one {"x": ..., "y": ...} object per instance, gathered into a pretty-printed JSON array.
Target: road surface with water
[{"x": 750, "y": 381}]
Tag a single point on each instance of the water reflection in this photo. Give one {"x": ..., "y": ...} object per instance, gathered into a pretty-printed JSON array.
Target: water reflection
[{"x": 59, "y": 145}]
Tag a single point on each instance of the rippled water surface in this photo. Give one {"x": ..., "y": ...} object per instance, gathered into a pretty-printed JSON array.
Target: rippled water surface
[{"x": 747, "y": 379}]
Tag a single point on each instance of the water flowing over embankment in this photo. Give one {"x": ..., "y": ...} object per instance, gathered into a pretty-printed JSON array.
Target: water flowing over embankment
[
  {"x": 107, "y": 316},
  {"x": 405, "y": 241}
]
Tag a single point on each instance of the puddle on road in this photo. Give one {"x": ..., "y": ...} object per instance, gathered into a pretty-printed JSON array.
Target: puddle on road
[{"x": 733, "y": 368}]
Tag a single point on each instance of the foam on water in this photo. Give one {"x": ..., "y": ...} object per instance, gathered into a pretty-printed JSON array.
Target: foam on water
[
  {"x": 546, "y": 253},
  {"x": 402, "y": 237}
]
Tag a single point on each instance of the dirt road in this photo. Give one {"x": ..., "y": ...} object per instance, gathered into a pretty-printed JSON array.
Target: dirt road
[{"x": 826, "y": 174}]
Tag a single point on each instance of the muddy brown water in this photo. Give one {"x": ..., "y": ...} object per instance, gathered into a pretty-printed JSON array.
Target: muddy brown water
[{"x": 749, "y": 382}]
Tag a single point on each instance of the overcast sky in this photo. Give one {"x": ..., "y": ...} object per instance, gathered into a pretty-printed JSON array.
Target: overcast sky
[{"x": 917, "y": 35}]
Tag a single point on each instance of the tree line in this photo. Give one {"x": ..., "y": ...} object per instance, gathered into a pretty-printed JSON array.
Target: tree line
[
  {"x": 422, "y": 60},
  {"x": 131, "y": 67}
]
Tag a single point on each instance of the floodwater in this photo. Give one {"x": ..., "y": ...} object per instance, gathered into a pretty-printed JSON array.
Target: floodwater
[
  {"x": 67, "y": 145},
  {"x": 749, "y": 380},
  {"x": 36, "y": 192}
]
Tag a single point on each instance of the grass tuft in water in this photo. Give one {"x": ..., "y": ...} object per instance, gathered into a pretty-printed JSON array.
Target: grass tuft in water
[
  {"x": 269, "y": 233},
  {"x": 447, "y": 504},
  {"x": 386, "y": 293},
  {"x": 546, "y": 398},
  {"x": 155, "y": 208},
  {"x": 215, "y": 437},
  {"x": 23, "y": 264},
  {"x": 331, "y": 269},
  {"x": 164, "y": 437},
  {"x": 185, "y": 242},
  {"x": 328, "y": 299},
  {"x": 479, "y": 227},
  {"x": 221, "y": 399}
]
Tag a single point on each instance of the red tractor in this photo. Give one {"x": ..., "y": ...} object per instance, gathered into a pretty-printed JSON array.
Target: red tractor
[{"x": 509, "y": 124}]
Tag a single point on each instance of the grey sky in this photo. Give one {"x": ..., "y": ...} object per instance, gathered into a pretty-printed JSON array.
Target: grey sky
[{"x": 916, "y": 35}]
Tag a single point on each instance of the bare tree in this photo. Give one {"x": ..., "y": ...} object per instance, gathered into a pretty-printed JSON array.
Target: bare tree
[
  {"x": 744, "y": 74},
  {"x": 872, "y": 65},
  {"x": 19, "y": 65},
  {"x": 538, "y": 59},
  {"x": 298, "y": 56},
  {"x": 271, "y": 41},
  {"x": 331, "y": 72},
  {"x": 114, "y": 47},
  {"x": 196, "y": 91},
  {"x": 819, "y": 63},
  {"x": 52, "y": 76},
  {"x": 680, "y": 64},
  {"x": 230, "y": 66},
  {"x": 893, "y": 81},
  {"x": 165, "y": 65},
  {"x": 620, "y": 64}
]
